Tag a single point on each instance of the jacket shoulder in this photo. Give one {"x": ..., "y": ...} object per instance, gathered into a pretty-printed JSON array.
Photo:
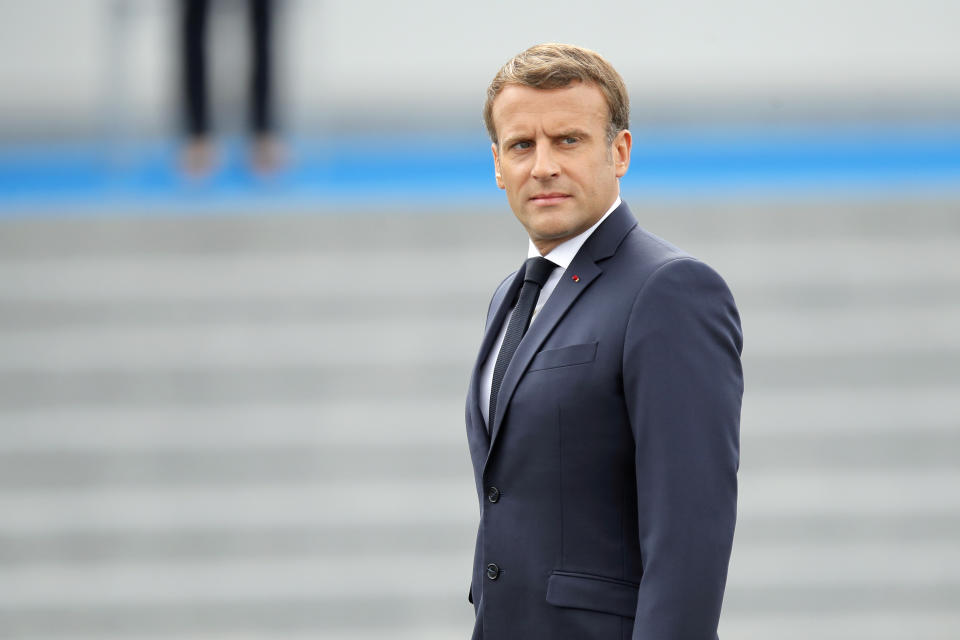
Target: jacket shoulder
[
  {"x": 645, "y": 258},
  {"x": 643, "y": 253},
  {"x": 650, "y": 249}
]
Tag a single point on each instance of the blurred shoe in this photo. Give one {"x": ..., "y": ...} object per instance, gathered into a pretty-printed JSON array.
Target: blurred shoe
[
  {"x": 267, "y": 154},
  {"x": 199, "y": 158}
]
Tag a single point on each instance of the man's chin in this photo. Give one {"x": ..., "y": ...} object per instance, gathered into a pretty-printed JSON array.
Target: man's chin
[
  {"x": 550, "y": 215},
  {"x": 550, "y": 236}
]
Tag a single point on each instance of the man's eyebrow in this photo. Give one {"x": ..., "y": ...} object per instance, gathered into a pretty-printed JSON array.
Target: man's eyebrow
[
  {"x": 571, "y": 133},
  {"x": 510, "y": 140}
]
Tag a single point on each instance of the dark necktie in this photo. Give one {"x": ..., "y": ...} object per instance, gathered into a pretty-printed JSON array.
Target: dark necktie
[{"x": 536, "y": 272}]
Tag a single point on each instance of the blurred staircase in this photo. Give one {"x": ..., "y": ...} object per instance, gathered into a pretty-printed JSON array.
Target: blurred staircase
[{"x": 240, "y": 427}]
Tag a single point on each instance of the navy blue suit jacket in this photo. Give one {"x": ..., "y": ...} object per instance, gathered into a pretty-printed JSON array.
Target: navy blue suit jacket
[{"x": 608, "y": 482}]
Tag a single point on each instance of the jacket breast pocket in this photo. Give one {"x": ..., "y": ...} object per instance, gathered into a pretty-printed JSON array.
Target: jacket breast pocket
[
  {"x": 592, "y": 592},
  {"x": 564, "y": 356}
]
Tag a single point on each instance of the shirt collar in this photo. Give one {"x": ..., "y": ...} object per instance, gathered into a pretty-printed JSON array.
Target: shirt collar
[{"x": 564, "y": 253}]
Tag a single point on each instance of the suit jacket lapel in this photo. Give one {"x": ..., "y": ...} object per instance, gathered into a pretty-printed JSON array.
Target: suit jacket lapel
[
  {"x": 563, "y": 296},
  {"x": 499, "y": 307},
  {"x": 600, "y": 245}
]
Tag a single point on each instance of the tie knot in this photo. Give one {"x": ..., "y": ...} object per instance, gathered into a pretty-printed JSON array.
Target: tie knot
[{"x": 538, "y": 270}]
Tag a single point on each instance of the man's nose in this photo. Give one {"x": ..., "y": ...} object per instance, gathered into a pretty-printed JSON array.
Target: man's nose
[{"x": 544, "y": 164}]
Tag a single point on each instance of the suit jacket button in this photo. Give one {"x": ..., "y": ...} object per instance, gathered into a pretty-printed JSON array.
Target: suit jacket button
[
  {"x": 493, "y": 571},
  {"x": 493, "y": 494}
]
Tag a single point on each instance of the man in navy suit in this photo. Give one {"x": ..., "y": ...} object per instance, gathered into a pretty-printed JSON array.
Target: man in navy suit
[{"x": 604, "y": 407}]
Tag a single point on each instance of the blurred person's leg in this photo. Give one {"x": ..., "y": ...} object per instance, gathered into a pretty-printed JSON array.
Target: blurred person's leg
[
  {"x": 266, "y": 152},
  {"x": 198, "y": 155}
]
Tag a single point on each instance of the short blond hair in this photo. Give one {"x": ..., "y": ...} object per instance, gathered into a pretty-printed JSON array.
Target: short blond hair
[{"x": 553, "y": 66}]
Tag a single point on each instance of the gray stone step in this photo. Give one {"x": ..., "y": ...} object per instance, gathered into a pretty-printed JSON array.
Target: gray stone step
[
  {"x": 385, "y": 572},
  {"x": 848, "y": 261},
  {"x": 845, "y": 413},
  {"x": 766, "y": 493},
  {"x": 688, "y": 223},
  {"x": 300, "y": 463},
  {"x": 384, "y": 340}
]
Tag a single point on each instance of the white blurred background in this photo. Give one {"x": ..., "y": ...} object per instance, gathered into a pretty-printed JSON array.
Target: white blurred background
[
  {"x": 234, "y": 409},
  {"x": 378, "y": 63}
]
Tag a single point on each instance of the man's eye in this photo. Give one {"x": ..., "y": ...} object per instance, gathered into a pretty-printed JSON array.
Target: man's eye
[
  {"x": 570, "y": 140},
  {"x": 521, "y": 145}
]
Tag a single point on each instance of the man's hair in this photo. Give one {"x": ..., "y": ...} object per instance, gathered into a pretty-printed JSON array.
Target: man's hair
[{"x": 553, "y": 66}]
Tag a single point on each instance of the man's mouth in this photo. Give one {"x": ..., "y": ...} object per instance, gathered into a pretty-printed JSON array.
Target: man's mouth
[{"x": 546, "y": 199}]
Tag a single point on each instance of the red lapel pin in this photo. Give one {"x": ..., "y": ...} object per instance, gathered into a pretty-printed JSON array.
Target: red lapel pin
[{"x": 575, "y": 278}]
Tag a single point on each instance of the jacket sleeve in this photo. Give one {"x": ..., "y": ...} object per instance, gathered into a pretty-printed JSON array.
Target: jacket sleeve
[{"x": 683, "y": 384}]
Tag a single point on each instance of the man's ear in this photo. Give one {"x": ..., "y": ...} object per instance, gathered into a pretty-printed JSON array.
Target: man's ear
[
  {"x": 621, "y": 152},
  {"x": 496, "y": 165}
]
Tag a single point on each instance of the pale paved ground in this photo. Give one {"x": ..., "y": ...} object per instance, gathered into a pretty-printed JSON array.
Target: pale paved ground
[{"x": 252, "y": 427}]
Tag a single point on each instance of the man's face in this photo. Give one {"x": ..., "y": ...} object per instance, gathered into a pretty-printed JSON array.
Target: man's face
[{"x": 553, "y": 159}]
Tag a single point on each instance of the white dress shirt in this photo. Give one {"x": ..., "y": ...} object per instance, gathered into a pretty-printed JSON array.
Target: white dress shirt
[{"x": 561, "y": 255}]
